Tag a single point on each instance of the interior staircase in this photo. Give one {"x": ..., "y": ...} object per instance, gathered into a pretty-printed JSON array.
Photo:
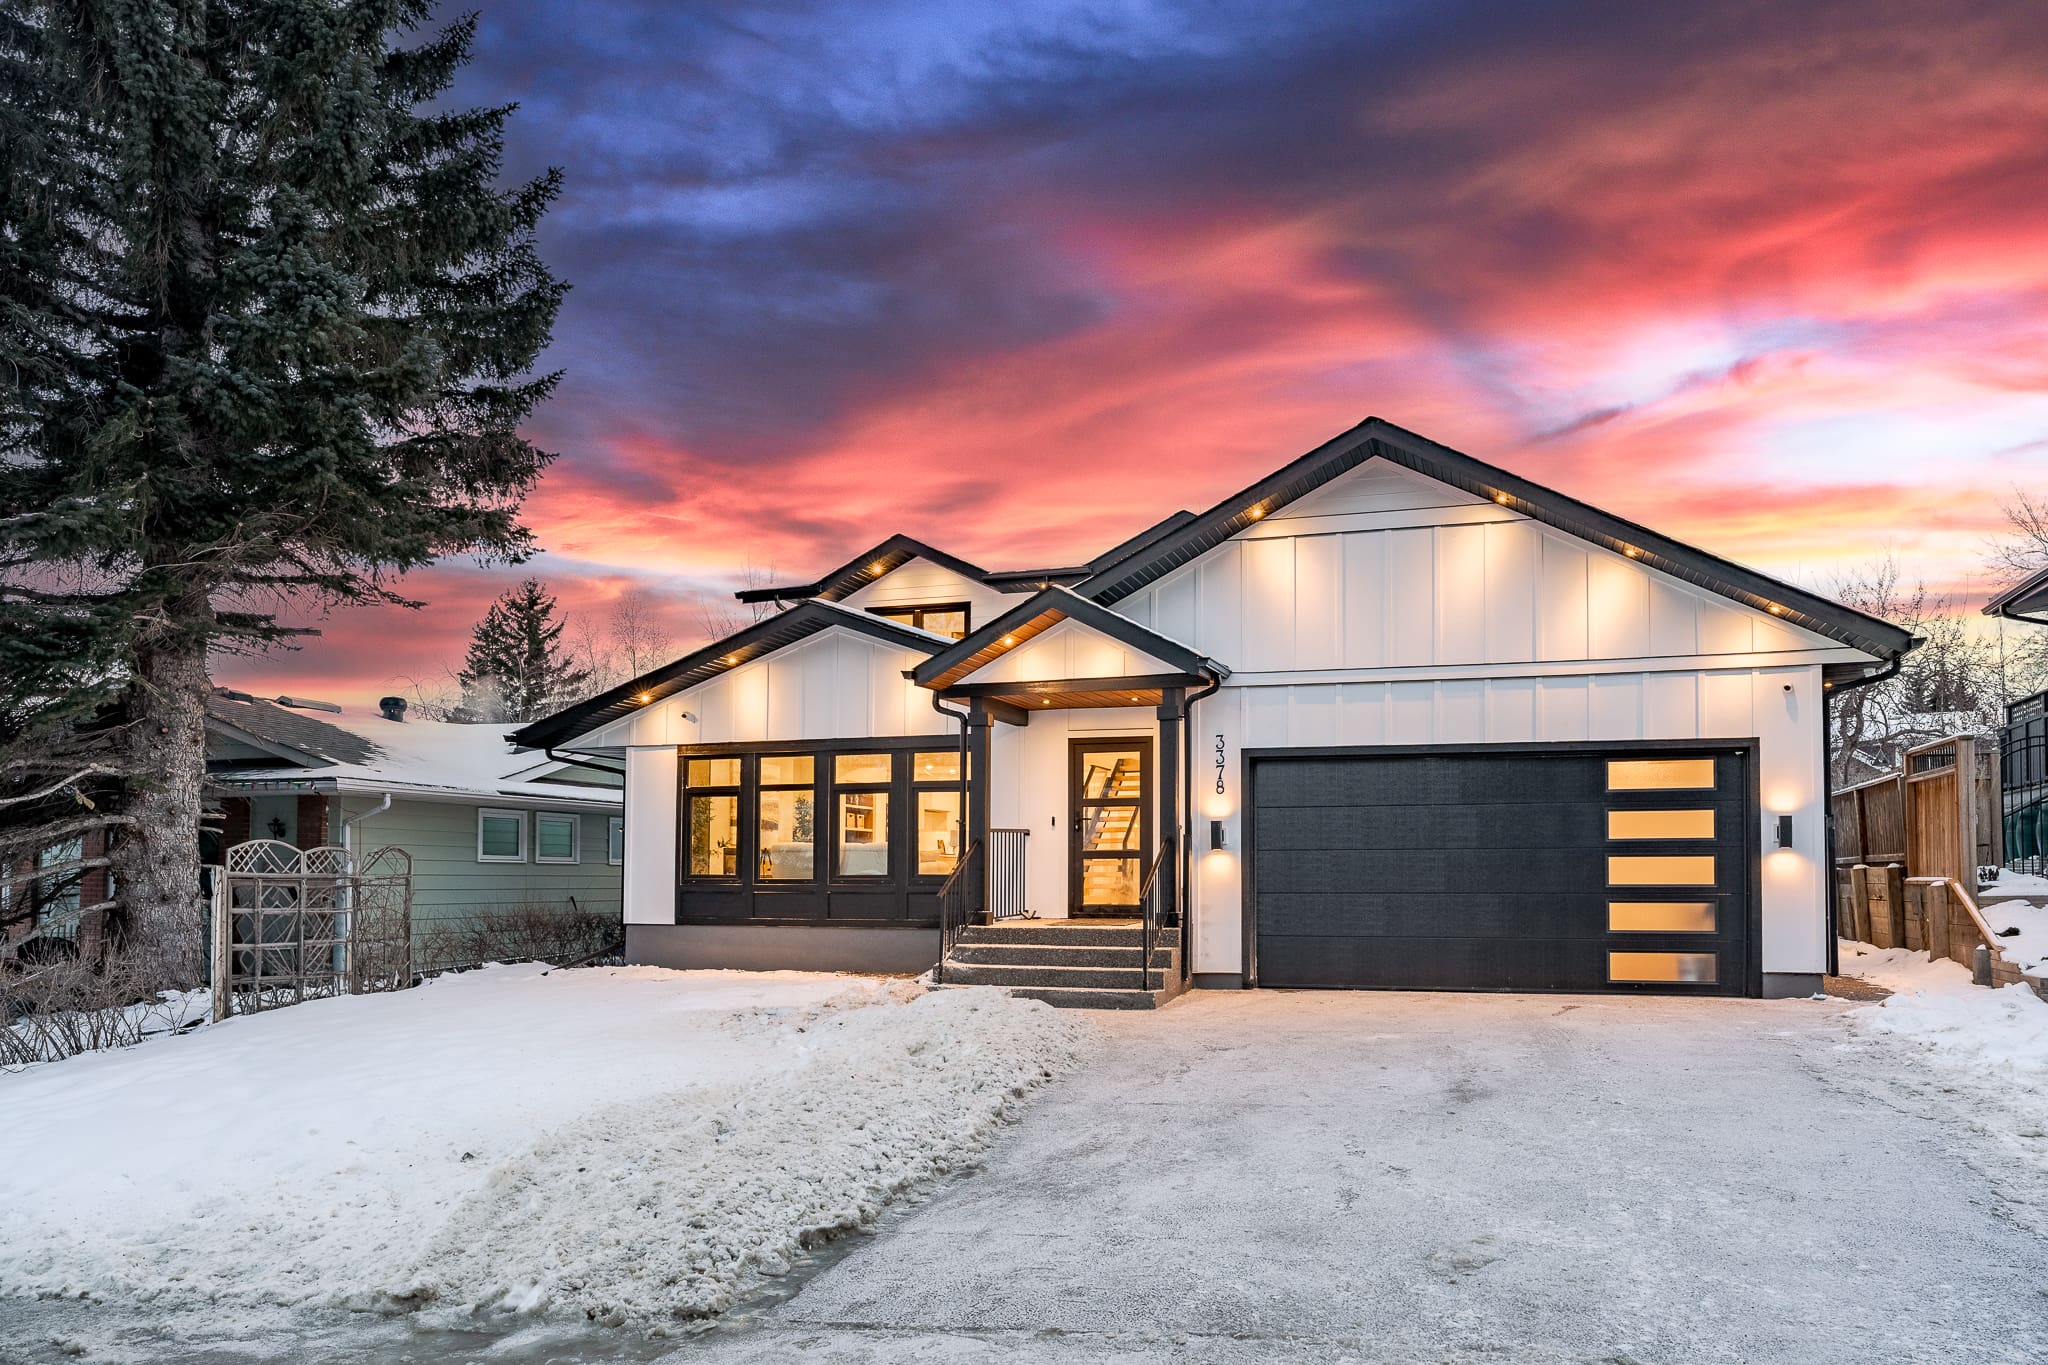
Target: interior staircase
[
  {"x": 1073, "y": 964},
  {"x": 1111, "y": 881}
]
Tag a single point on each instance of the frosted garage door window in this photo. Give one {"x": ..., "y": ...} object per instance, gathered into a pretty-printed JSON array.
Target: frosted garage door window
[
  {"x": 1674, "y": 871},
  {"x": 1660, "y": 917},
  {"x": 1660, "y": 774},
  {"x": 1691, "y": 969},
  {"x": 1660, "y": 824}
]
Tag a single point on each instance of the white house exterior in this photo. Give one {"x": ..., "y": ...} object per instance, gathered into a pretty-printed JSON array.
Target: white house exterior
[{"x": 1389, "y": 717}]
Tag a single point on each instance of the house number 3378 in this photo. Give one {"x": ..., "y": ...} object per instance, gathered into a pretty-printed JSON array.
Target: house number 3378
[{"x": 1219, "y": 765}]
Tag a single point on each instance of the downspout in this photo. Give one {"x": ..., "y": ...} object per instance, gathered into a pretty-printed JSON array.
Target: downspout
[
  {"x": 1827, "y": 749},
  {"x": 938, "y": 705},
  {"x": 348, "y": 828},
  {"x": 1187, "y": 836}
]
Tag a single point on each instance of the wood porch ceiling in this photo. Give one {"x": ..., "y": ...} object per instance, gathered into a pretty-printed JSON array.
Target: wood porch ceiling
[{"x": 1078, "y": 694}]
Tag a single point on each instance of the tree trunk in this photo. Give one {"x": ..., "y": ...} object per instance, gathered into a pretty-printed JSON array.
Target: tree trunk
[{"x": 156, "y": 865}]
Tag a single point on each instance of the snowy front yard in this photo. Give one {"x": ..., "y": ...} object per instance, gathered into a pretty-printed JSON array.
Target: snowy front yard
[{"x": 626, "y": 1145}]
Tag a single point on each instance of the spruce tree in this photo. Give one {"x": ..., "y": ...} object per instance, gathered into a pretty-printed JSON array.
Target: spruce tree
[
  {"x": 516, "y": 668},
  {"x": 268, "y": 323}
]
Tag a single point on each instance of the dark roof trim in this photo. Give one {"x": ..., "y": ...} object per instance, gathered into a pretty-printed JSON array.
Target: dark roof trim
[
  {"x": 1068, "y": 605},
  {"x": 856, "y": 573},
  {"x": 1377, "y": 437},
  {"x": 2030, "y": 594},
  {"x": 742, "y": 647}
]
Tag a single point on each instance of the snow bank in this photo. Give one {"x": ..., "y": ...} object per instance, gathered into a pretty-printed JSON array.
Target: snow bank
[
  {"x": 2022, "y": 929},
  {"x": 625, "y": 1145}
]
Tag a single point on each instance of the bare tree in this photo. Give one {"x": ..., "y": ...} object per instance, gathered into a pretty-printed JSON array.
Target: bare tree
[
  {"x": 2020, "y": 553},
  {"x": 1948, "y": 684},
  {"x": 727, "y": 616},
  {"x": 638, "y": 636}
]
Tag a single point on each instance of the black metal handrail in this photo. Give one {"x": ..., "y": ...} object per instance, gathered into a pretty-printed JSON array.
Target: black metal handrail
[
  {"x": 1146, "y": 915},
  {"x": 953, "y": 905}
]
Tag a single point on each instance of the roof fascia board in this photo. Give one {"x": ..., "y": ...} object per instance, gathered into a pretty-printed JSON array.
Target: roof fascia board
[
  {"x": 2030, "y": 594},
  {"x": 779, "y": 631},
  {"x": 856, "y": 573},
  {"x": 1073, "y": 607},
  {"x": 1378, "y": 437}
]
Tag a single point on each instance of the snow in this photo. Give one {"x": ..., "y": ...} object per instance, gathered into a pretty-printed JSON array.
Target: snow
[
  {"x": 2028, "y": 948},
  {"x": 440, "y": 756},
  {"x": 1977, "y": 1036},
  {"x": 622, "y": 1145}
]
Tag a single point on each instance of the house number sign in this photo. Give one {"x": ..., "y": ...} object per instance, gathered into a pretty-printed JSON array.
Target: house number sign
[{"x": 1219, "y": 765}]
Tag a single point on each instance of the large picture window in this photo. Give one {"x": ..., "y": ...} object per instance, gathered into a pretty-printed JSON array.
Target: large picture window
[
  {"x": 938, "y": 810},
  {"x": 713, "y": 817},
  {"x": 861, "y": 790},
  {"x": 788, "y": 817}
]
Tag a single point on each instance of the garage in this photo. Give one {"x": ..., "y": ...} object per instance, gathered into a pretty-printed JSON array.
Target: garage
[{"x": 1588, "y": 868}]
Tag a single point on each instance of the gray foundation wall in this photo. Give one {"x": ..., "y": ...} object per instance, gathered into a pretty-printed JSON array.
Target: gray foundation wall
[
  {"x": 775, "y": 947},
  {"x": 1791, "y": 985}
]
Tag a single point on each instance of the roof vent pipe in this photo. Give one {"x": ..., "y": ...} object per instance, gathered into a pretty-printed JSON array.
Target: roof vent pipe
[{"x": 392, "y": 707}]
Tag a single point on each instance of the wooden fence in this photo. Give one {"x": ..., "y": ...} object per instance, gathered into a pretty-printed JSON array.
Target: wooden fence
[{"x": 1937, "y": 818}]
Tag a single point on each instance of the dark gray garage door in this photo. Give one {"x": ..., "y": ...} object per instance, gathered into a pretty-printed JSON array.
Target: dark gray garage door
[{"x": 1586, "y": 870}]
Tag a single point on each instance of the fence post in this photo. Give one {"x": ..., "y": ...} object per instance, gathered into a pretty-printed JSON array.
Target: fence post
[
  {"x": 223, "y": 955},
  {"x": 1916, "y": 916},
  {"x": 1937, "y": 922},
  {"x": 1859, "y": 894},
  {"x": 1895, "y": 903}
]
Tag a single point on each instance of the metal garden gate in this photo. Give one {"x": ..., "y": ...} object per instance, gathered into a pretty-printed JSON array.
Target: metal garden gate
[{"x": 293, "y": 924}]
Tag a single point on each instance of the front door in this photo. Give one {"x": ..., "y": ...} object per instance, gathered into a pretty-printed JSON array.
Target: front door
[{"x": 1112, "y": 825}]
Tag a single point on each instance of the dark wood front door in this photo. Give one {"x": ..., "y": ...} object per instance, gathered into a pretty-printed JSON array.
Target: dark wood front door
[{"x": 1111, "y": 796}]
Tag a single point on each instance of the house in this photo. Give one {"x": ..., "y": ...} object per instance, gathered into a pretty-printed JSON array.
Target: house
[
  {"x": 488, "y": 828},
  {"x": 1389, "y": 717}
]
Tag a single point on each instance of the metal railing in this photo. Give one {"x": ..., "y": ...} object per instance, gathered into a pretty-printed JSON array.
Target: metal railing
[
  {"x": 1006, "y": 867},
  {"x": 955, "y": 903},
  {"x": 1148, "y": 913}
]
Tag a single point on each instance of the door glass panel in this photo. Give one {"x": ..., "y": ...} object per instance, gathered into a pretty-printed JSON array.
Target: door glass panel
[
  {"x": 787, "y": 770},
  {"x": 942, "y": 766},
  {"x": 1660, "y": 824},
  {"x": 1110, "y": 829},
  {"x": 788, "y": 835},
  {"x": 1109, "y": 881},
  {"x": 714, "y": 772},
  {"x": 714, "y": 836},
  {"x": 1691, "y": 968},
  {"x": 1111, "y": 773},
  {"x": 938, "y": 832},
  {"x": 1660, "y": 774},
  {"x": 863, "y": 834},
  {"x": 1676, "y": 871},
  {"x": 861, "y": 767},
  {"x": 1660, "y": 917}
]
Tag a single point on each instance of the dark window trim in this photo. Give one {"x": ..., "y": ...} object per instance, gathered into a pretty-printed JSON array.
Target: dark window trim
[
  {"x": 902, "y": 786},
  {"x": 918, "y": 610}
]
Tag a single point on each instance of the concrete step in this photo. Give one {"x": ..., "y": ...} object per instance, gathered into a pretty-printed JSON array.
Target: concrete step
[
  {"x": 1093, "y": 978},
  {"x": 1082, "y": 998},
  {"x": 1065, "y": 933},
  {"x": 1058, "y": 955}
]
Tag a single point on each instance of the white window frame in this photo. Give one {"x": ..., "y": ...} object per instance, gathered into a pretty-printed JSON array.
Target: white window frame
[
  {"x": 615, "y": 841},
  {"x": 575, "y": 836},
  {"x": 495, "y": 812}
]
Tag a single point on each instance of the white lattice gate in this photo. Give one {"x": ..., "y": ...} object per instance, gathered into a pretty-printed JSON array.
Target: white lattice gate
[{"x": 293, "y": 924}]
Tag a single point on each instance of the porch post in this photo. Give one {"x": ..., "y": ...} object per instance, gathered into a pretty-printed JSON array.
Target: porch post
[
  {"x": 979, "y": 722},
  {"x": 1172, "y": 714}
]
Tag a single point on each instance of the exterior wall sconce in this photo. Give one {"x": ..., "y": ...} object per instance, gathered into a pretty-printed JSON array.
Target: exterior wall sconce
[
  {"x": 1216, "y": 835},
  {"x": 1784, "y": 831}
]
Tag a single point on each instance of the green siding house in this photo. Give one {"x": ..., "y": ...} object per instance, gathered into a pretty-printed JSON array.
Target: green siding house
[{"x": 492, "y": 832}]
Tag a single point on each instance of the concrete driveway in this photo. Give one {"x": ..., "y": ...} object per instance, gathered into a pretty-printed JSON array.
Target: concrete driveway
[{"x": 1374, "y": 1177}]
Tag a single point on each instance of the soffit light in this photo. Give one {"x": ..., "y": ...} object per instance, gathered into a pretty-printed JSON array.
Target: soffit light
[
  {"x": 1501, "y": 498},
  {"x": 644, "y": 698},
  {"x": 1256, "y": 513}
]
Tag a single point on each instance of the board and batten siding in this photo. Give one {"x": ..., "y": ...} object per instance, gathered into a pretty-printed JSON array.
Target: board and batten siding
[
  {"x": 921, "y": 583},
  {"x": 838, "y": 684},
  {"x": 1390, "y": 609},
  {"x": 447, "y": 879}
]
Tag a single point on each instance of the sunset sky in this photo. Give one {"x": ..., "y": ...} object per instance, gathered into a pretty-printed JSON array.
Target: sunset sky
[{"x": 1020, "y": 278}]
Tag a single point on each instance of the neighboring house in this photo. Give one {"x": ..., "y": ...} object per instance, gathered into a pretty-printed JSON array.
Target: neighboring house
[
  {"x": 487, "y": 827},
  {"x": 1389, "y": 717}
]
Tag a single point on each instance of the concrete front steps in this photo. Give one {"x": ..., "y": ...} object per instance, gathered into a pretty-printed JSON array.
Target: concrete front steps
[{"x": 1072, "y": 964}]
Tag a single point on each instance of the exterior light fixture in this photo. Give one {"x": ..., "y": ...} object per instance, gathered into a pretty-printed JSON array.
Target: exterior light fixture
[
  {"x": 644, "y": 698},
  {"x": 1256, "y": 513},
  {"x": 1215, "y": 835},
  {"x": 878, "y": 568},
  {"x": 1631, "y": 551},
  {"x": 732, "y": 658},
  {"x": 1009, "y": 639},
  {"x": 1777, "y": 610},
  {"x": 1784, "y": 831},
  {"x": 1501, "y": 498}
]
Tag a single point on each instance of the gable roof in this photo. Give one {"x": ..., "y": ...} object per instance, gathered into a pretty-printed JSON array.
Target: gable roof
[
  {"x": 1041, "y": 612},
  {"x": 861, "y": 570},
  {"x": 291, "y": 735},
  {"x": 763, "y": 637},
  {"x": 1376, "y": 437},
  {"x": 2030, "y": 594}
]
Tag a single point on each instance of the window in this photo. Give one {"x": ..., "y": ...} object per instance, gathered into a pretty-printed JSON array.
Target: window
[
  {"x": 1660, "y": 824},
  {"x": 1660, "y": 917},
  {"x": 788, "y": 818},
  {"x": 950, "y": 619},
  {"x": 1671, "y": 871},
  {"x": 615, "y": 841},
  {"x": 557, "y": 837},
  {"x": 1660, "y": 774},
  {"x": 861, "y": 793},
  {"x": 57, "y": 898},
  {"x": 1685, "y": 968},
  {"x": 501, "y": 836},
  {"x": 713, "y": 844},
  {"x": 938, "y": 810}
]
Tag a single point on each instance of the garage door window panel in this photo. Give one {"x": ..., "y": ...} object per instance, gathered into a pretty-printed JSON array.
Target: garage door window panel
[
  {"x": 1660, "y": 774},
  {"x": 1662, "y": 969},
  {"x": 1668, "y": 870},
  {"x": 1662, "y": 917},
  {"x": 1660, "y": 824}
]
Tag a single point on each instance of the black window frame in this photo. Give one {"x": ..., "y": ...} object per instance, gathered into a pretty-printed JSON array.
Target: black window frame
[
  {"x": 917, "y": 611},
  {"x": 893, "y": 789},
  {"x": 750, "y": 799},
  {"x": 958, "y": 786},
  {"x": 736, "y": 790}
]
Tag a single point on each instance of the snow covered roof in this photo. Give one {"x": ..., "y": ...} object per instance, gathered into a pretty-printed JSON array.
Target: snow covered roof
[{"x": 425, "y": 758}]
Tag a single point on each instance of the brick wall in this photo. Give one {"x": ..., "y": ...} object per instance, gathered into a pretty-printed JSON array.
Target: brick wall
[{"x": 312, "y": 821}]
